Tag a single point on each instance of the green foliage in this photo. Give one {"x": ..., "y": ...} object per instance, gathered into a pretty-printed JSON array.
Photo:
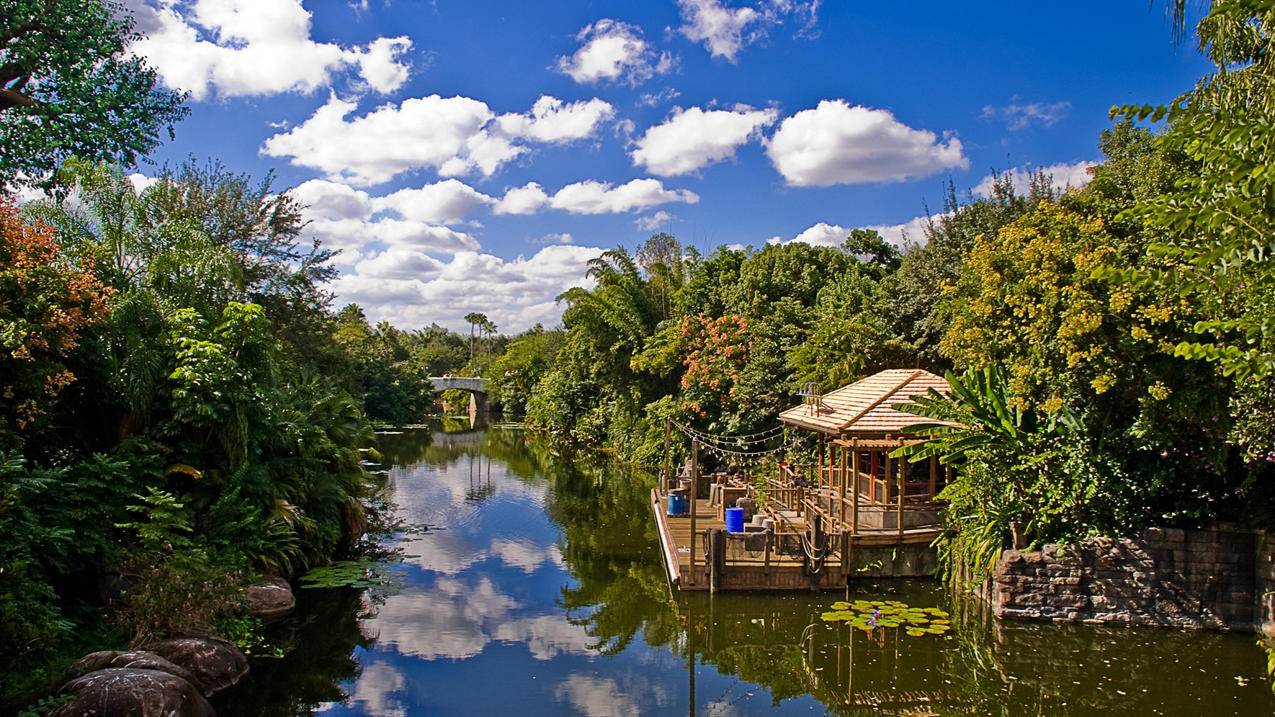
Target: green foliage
[
  {"x": 69, "y": 87},
  {"x": 1216, "y": 226},
  {"x": 1024, "y": 477},
  {"x": 513, "y": 374}
]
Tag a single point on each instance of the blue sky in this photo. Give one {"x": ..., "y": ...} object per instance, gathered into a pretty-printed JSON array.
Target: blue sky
[{"x": 405, "y": 124}]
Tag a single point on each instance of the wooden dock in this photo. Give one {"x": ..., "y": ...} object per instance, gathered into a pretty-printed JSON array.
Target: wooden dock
[{"x": 783, "y": 561}]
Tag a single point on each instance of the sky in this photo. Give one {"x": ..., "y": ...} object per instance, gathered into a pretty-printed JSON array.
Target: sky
[{"x": 474, "y": 156}]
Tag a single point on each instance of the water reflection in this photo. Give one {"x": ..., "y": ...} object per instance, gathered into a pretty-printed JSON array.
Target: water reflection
[{"x": 539, "y": 589}]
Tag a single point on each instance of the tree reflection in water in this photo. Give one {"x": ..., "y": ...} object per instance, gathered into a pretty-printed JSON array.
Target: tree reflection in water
[{"x": 582, "y": 601}]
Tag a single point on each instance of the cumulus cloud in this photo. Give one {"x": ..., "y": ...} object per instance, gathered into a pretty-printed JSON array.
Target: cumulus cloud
[
  {"x": 445, "y": 202},
  {"x": 516, "y": 294},
  {"x": 1018, "y": 115},
  {"x": 241, "y": 48},
  {"x": 824, "y": 234},
  {"x": 910, "y": 232},
  {"x": 527, "y": 199},
  {"x": 721, "y": 29},
  {"x": 653, "y": 222},
  {"x": 725, "y": 31},
  {"x": 345, "y": 218},
  {"x": 839, "y": 143},
  {"x": 613, "y": 51},
  {"x": 451, "y": 135},
  {"x": 552, "y": 120},
  {"x": 593, "y": 197},
  {"x": 1062, "y": 176},
  {"x": 695, "y": 138}
]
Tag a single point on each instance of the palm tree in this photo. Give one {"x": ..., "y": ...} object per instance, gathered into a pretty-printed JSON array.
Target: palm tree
[{"x": 475, "y": 320}]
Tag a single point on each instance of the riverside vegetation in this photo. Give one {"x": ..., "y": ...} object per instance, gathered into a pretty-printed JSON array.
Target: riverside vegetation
[{"x": 182, "y": 409}]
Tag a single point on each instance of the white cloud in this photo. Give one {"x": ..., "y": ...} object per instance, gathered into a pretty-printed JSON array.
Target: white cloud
[
  {"x": 554, "y": 121},
  {"x": 378, "y": 689},
  {"x": 596, "y": 696},
  {"x": 1022, "y": 115},
  {"x": 837, "y": 143},
  {"x": 451, "y": 135},
  {"x": 527, "y": 199},
  {"x": 653, "y": 222},
  {"x": 342, "y": 217},
  {"x": 910, "y": 232},
  {"x": 721, "y": 29},
  {"x": 379, "y": 63},
  {"x": 400, "y": 263},
  {"x": 141, "y": 182},
  {"x": 547, "y": 636},
  {"x": 593, "y": 197},
  {"x": 695, "y": 138},
  {"x": 445, "y": 202},
  {"x": 240, "y": 48},
  {"x": 1062, "y": 176},
  {"x": 822, "y": 234},
  {"x": 724, "y": 31},
  {"x": 651, "y": 99},
  {"x": 516, "y": 293},
  {"x": 613, "y": 51},
  {"x": 525, "y": 555},
  {"x": 357, "y": 233},
  {"x": 332, "y": 200}
]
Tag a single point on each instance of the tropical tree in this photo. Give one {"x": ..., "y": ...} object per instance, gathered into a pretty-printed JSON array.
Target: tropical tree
[
  {"x": 1024, "y": 476},
  {"x": 69, "y": 87}
]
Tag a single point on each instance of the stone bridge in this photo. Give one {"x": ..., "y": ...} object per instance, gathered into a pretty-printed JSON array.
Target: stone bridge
[{"x": 472, "y": 385}]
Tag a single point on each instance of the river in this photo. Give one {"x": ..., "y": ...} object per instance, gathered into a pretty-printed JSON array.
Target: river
[{"x": 531, "y": 583}]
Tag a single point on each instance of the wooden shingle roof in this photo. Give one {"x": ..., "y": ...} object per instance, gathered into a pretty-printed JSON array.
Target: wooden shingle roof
[{"x": 865, "y": 408}]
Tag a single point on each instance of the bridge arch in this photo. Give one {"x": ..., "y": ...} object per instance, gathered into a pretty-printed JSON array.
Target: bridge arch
[{"x": 475, "y": 386}]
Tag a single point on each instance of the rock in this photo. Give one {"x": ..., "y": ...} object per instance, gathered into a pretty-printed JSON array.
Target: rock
[
  {"x": 136, "y": 659},
  {"x": 133, "y": 692},
  {"x": 214, "y": 664},
  {"x": 270, "y": 598}
]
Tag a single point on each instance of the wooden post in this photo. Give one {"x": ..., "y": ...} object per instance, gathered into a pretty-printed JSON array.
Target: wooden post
[
  {"x": 854, "y": 497},
  {"x": 770, "y": 536},
  {"x": 717, "y": 558},
  {"x": 846, "y": 563},
  {"x": 842, "y": 505},
  {"x": 872, "y": 476},
  {"x": 934, "y": 476},
  {"x": 889, "y": 478},
  {"x": 819, "y": 463},
  {"x": 668, "y": 466},
  {"x": 691, "y": 500},
  {"x": 902, "y": 467}
]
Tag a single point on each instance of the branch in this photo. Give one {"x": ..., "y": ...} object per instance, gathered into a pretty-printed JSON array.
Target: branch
[{"x": 12, "y": 98}]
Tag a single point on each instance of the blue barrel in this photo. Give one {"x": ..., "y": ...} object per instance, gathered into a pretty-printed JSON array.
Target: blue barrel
[
  {"x": 734, "y": 520},
  {"x": 677, "y": 504}
]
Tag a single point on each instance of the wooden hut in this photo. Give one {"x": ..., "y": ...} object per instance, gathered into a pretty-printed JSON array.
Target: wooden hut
[{"x": 863, "y": 488}]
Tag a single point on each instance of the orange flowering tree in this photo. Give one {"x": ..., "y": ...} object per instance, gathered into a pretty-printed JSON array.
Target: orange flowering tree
[
  {"x": 716, "y": 351},
  {"x": 46, "y": 301}
]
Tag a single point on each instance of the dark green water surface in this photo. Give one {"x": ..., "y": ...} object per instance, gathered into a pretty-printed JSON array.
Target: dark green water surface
[{"x": 539, "y": 590}]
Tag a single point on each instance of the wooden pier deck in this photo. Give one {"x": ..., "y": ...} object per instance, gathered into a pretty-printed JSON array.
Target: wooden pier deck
[{"x": 782, "y": 566}]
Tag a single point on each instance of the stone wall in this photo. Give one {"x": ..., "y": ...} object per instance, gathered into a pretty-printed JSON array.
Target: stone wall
[{"x": 1170, "y": 577}]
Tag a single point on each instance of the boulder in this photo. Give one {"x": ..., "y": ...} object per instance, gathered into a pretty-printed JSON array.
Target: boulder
[
  {"x": 136, "y": 659},
  {"x": 270, "y": 598},
  {"x": 133, "y": 692},
  {"x": 213, "y": 664}
]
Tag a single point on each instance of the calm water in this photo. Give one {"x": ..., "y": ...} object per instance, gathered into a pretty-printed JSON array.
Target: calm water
[{"x": 539, "y": 590}]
